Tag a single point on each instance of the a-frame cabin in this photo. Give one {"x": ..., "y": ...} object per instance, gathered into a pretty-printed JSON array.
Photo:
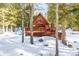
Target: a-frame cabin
[{"x": 41, "y": 27}]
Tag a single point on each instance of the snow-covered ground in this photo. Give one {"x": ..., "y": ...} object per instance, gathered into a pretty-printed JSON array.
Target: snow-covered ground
[
  {"x": 73, "y": 38},
  {"x": 10, "y": 45}
]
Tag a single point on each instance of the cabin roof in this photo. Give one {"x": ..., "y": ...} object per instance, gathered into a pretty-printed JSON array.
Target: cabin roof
[{"x": 40, "y": 18}]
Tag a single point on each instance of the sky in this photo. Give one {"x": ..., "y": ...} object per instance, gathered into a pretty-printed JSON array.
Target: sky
[{"x": 41, "y": 7}]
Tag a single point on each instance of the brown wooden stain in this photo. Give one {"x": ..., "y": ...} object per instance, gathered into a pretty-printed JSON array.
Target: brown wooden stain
[{"x": 41, "y": 28}]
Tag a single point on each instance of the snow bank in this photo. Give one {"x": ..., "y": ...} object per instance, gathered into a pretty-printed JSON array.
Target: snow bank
[
  {"x": 68, "y": 31},
  {"x": 10, "y": 45}
]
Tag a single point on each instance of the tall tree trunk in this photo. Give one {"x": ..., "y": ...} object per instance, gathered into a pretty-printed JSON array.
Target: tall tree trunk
[
  {"x": 22, "y": 28},
  {"x": 11, "y": 28},
  {"x": 3, "y": 27},
  {"x": 31, "y": 25},
  {"x": 22, "y": 14},
  {"x": 57, "y": 50},
  {"x": 6, "y": 28}
]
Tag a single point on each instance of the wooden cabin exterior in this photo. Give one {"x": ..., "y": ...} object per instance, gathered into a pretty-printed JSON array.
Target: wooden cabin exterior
[{"x": 41, "y": 27}]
